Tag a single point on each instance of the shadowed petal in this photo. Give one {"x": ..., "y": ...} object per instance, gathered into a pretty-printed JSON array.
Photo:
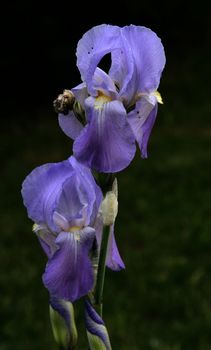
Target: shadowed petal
[
  {"x": 141, "y": 120},
  {"x": 107, "y": 143},
  {"x": 113, "y": 259},
  {"x": 70, "y": 125},
  {"x": 68, "y": 274},
  {"x": 80, "y": 93},
  {"x": 94, "y": 44},
  {"x": 46, "y": 239},
  {"x": 148, "y": 54}
]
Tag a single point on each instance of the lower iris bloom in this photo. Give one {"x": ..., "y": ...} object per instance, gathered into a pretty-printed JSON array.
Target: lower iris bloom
[
  {"x": 121, "y": 105},
  {"x": 63, "y": 200}
]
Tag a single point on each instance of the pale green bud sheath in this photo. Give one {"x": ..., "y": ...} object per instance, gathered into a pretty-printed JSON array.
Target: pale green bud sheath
[
  {"x": 109, "y": 210},
  {"x": 63, "y": 324}
]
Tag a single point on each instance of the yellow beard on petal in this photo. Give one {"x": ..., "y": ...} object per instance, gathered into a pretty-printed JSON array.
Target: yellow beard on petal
[
  {"x": 74, "y": 228},
  {"x": 100, "y": 100}
]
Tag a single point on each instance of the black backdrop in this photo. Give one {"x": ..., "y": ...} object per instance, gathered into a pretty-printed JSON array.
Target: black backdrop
[{"x": 39, "y": 41}]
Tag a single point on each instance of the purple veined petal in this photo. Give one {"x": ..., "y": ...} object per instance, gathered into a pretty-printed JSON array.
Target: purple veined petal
[
  {"x": 80, "y": 93},
  {"x": 68, "y": 203},
  {"x": 148, "y": 54},
  {"x": 107, "y": 143},
  {"x": 46, "y": 239},
  {"x": 80, "y": 196},
  {"x": 60, "y": 221},
  {"x": 65, "y": 188},
  {"x": 96, "y": 331},
  {"x": 40, "y": 189},
  {"x": 141, "y": 120},
  {"x": 68, "y": 274},
  {"x": 70, "y": 125},
  {"x": 113, "y": 259},
  {"x": 123, "y": 71},
  {"x": 95, "y": 44},
  {"x": 93, "y": 191}
]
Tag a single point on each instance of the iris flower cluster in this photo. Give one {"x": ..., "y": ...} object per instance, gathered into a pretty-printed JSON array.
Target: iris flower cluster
[{"x": 110, "y": 113}]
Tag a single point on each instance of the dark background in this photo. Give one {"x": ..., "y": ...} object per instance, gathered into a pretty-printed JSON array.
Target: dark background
[{"x": 162, "y": 300}]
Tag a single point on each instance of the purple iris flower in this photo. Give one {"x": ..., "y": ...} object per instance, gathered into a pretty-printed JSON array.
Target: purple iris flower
[
  {"x": 121, "y": 105},
  {"x": 63, "y": 200}
]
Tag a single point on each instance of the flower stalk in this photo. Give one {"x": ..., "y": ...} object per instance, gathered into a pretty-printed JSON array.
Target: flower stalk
[{"x": 101, "y": 271}]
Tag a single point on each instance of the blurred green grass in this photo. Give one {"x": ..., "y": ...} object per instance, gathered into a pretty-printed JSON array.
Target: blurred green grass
[{"x": 162, "y": 300}]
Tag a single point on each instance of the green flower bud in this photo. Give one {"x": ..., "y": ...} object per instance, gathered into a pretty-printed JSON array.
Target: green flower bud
[{"x": 63, "y": 323}]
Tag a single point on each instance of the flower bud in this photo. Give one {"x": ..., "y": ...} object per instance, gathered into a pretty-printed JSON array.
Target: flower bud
[
  {"x": 96, "y": 331},
  {"x": 109, "y": 208},
  {"x": 63, "y": 323}
]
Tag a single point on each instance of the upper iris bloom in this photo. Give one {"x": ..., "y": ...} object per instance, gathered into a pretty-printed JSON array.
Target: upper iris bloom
[
  {"x": 121, "y": 106},
  {"x": 63, "y": 200}
]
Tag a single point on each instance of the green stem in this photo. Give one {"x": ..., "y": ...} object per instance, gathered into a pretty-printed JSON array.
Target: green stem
[{"x": 101, "y": 271}]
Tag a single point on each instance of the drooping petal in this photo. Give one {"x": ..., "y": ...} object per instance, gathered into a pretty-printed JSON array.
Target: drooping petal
[
  {"x": 141, "y": 120},
  {"x": 107, "y": 143},
  {"x": 68, "y": 274},
  {"x": 148, "y": 54},
  {"x": 63, "y": 323},
  {"x": 70, "y": 125},
  {"x": 95, "y": 44},
  {"x": 96, "y": 331},
  {"x": 113, "y": 259}
]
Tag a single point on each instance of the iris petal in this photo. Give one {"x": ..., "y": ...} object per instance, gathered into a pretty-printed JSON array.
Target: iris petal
[
  {"x": 68, "y": 274},
  {"x": 113, "y": 259},
  {"x": 80, "y": 93},
  {"x": 70, "y": 125},
  {"x": 43, "y": 185},
  {"x": 141, "y": 120},
  {"x": 107, "y": 143},
  {"x": 95, "y": 44},
  {"x": 148, "y": 54},
  {"x": 66, "y": 188}
]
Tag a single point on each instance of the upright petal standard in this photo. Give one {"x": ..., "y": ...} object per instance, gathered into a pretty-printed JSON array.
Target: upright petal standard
[{"x": 120, "y": 105}]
